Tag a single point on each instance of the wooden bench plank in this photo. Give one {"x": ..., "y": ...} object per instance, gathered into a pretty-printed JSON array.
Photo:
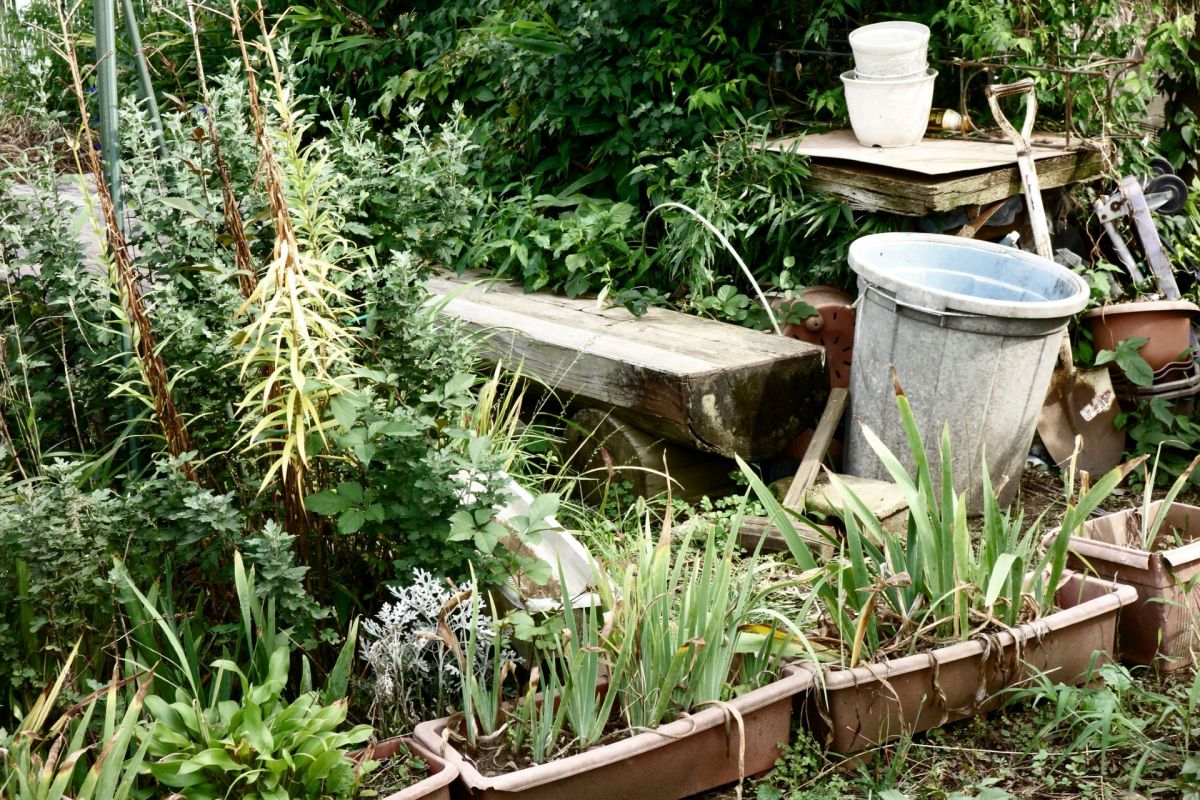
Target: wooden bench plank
[{"x": 711, "y": 385}]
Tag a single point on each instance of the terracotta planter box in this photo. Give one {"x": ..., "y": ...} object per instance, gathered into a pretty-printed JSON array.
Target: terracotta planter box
[
  {"x": 871, "y": 704},
  {"x": 436, "y": 786},
  {"x": 1161, "y": 627},
  {"x": 1167, "y": 324},
  {"x": 682, "y": 758}
]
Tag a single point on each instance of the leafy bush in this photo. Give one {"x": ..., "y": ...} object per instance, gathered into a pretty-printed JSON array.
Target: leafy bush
[
  {"x": 57, "y": 539},
  {"x": 230, "y": 725},
  {"x": 658, "y": 100}
]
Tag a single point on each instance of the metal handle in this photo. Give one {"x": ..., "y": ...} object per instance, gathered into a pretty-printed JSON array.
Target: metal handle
[
  {"x": 934, "y": 312},
  {"x": 1021, "y": 141},
  {"x": 1025, "y": 86},
  {"x": 1005, "y": 89}
]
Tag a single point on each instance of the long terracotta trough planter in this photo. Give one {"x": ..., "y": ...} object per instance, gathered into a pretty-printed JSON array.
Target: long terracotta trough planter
[
  {"x": 685, "y": 757},
  {"x": 435, "y": 786},
  {"x": 1161, "y": 627},
  {"x": 871, "y": 704}
]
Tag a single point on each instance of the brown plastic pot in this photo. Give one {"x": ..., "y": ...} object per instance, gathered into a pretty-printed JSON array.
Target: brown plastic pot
[
  {"x": 685, "y": 757},
  {"x": 871, "y": 704},
  {"x": 1160, "y": 628},
  {"x": 435, "y": 786},
  {"x": 1165, "y": 323}
]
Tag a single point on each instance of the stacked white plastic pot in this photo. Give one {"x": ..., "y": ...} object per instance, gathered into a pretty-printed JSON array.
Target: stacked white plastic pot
[{"x": 890, "y": 90}]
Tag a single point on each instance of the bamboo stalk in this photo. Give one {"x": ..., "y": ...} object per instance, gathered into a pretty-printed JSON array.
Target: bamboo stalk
[
  {"x": 106, "y": 90},
  {"x": 143, "y": 70}
]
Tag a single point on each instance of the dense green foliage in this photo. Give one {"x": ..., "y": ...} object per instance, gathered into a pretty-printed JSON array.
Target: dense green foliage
[
  {"x": 81, "y": 480},
  {"x": 656, "y": 101},
  {"x": 338, "y": 439}
]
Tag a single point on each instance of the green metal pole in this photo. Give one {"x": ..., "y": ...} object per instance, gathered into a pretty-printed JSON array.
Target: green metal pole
[
  {"x": 110, "y": 148},
  {"x": 143, "y": 70},
  {"x": 106, "y": 89}
]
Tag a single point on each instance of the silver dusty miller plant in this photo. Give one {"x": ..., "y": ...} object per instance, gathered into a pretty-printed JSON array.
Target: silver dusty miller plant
[{"x": 414, "y": 675}]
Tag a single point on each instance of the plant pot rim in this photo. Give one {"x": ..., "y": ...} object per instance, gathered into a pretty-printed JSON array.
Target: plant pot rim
[
  {"x": 425, "y": 787},
  {"x": 1140, "y": 306},
  {"x": 1119, "y": 595},
  {"x": 432, "y": 733},
  {"x": 1127, "y": 555}
]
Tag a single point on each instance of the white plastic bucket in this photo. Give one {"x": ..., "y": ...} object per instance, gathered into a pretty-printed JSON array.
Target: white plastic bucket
[
  {"x": 890, "y": 50},
  {"x": 892, "y": 113},
  {"x": 972, "y": 330}
]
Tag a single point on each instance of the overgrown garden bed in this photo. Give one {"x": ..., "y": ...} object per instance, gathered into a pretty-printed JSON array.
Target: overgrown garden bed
[{"x": 262, "y": 507}]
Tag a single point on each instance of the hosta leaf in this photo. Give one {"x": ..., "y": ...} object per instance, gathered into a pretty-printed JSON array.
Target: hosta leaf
[
  {"x": 322, "y": 765},
  {"x": 258, "y": 734},
  {"x": 212, "y": 758}
]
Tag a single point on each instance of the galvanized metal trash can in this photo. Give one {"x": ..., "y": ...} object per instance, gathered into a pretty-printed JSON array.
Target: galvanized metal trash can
[{"x": 973, "y": 331}]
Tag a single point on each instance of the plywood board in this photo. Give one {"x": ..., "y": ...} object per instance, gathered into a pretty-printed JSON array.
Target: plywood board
[{"x": 931, "y": 157}]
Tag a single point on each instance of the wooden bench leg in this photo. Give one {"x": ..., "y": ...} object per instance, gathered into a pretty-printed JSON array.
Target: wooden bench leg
[{"x": 605, "y": 449}]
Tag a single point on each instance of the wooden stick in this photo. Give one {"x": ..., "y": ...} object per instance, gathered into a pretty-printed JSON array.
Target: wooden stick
[{"x": 810, "y": 465}]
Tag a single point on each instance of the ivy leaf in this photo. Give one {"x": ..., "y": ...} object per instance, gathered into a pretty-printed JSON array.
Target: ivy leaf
[
  {"x": 1129, "y": 360},
  {"x": 1161, "y": 409},
  {"x": 462, "y": 527},
  {"x": 544, "y": 505},
  {"x": 536, "y": 570},
  {"x": 459, "y": 384},
  {"x": 479, "y": 448},
  {"x": 488, "y": 536}
]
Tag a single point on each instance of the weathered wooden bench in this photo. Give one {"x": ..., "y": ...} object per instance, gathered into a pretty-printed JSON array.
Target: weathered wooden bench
[{"x": 713, "y": 386}]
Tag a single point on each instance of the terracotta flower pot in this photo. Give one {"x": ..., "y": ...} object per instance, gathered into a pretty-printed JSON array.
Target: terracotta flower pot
[
  {"x": 1165, "y": 323},
  {"x": 871, "y": 704},
  {"x": 1161, "y": 627},
  {"x": 435, "y": 786},
  {"x": 682, "y": 758}
]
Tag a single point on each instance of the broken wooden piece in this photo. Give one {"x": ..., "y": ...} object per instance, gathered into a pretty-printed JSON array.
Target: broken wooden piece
[
  {"x": 883, "y": 498},
  {"x": 710, "y": 385},
  {"x": 759, "y": 533},
  {"x": 810, "y": 465}
]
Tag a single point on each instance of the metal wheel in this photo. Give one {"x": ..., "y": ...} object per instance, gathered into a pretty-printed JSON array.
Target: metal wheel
[{"x": 1175, "y": 189}]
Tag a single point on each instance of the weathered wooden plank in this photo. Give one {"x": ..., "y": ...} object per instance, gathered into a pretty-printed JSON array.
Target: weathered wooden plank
[
  {"x": 932, "y": 156},
  {"x": 937, "y": 174},
  {"x": 714, "y": 386},
  {"x": 880, "y": 189}
]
